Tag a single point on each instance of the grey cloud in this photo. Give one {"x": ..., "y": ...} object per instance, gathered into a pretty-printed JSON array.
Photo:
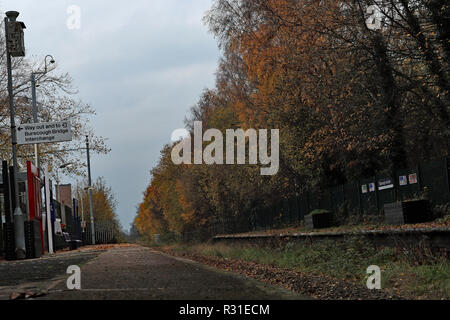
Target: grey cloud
[{"x": 140, "y": 63}]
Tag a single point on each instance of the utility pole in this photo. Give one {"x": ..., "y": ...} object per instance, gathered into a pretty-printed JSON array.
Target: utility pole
[
  {"x": 15, "y": 43},
  {"x": 37, "y": 159},
  {"x": 91, "y": 206}
]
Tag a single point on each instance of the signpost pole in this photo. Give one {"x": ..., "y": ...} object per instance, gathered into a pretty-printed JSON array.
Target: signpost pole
[{"x": 18, "y": 215}]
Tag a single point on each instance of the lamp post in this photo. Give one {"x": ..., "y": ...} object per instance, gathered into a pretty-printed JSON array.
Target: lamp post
[
  {"x": 15, "y": 48},
  {"x": 35, "y": 109}
]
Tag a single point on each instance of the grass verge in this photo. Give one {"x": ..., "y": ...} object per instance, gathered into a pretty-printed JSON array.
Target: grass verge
[{"x": 403, "y": 273}]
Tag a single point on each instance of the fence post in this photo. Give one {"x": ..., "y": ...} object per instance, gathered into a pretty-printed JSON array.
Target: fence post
[
  {"x": 447, "y": 176},
  {"x": 376, "y": 194},
  {"x": 396, "y": 185},
  {"x": 333, "y": 209},
  {"x": 297, "y": 208},
  {"x": 308, "y": 209},
  {"x": 419, "y": 177},
  {"x": 359, "y": 196}
]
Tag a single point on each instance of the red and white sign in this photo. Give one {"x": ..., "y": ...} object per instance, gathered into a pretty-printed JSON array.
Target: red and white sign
[{"x": 413, "y": 178}]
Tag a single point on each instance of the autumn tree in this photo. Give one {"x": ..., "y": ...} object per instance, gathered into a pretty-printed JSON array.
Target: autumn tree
[
  {"x": 104, "y": 203},
  {"x": 356, "y": 88}
]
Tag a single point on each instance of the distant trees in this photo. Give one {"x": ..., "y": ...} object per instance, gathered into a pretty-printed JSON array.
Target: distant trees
[
  {"x": 133, "y": 234},
  {"x": 104, "y": 204},
  {"x": 355, "y": 87}
]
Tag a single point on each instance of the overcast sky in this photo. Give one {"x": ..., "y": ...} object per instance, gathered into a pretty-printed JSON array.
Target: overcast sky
[{"x": 141, "y": 64}]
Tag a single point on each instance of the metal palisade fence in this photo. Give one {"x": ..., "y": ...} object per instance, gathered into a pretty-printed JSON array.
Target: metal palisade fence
[
  {"x": 105, "y": 233},
  {"x": 366, "y": 196}
]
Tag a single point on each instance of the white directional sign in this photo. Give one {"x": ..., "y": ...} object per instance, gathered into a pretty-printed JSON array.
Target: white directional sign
[{"x": 50, "y": 132}]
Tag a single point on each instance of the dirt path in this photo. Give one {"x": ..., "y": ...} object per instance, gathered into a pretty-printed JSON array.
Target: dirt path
[{"x": 141, "y": 273}]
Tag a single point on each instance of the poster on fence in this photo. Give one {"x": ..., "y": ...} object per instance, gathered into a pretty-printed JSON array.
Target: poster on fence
[
  {"x": 364, "y": 188},
  {"x": 372, "y": 187},
  {"x": 403, "y": 181},
  {"x": 413, "y": 178}
]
